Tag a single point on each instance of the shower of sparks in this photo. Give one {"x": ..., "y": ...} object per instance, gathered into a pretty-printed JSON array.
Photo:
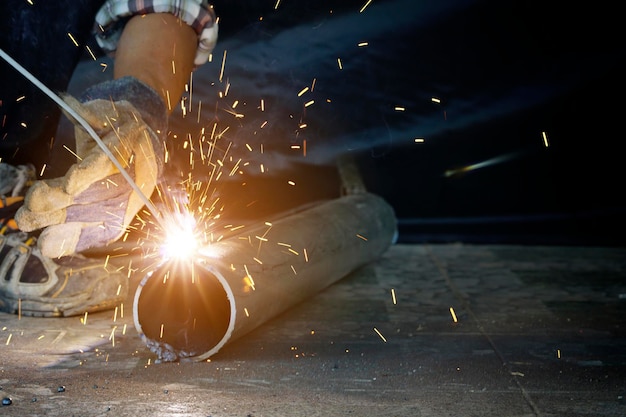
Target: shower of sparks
[
  {"x": 545, "y": 139},
  {"x": 380, "y": 335},
  {"x": 453, "y": 314}
]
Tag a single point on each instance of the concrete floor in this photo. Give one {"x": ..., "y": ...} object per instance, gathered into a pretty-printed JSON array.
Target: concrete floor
[{"x": 539, "y": 331}]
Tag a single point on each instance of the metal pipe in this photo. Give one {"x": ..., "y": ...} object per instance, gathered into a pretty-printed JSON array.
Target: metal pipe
[{"x": 190, "y": 311}]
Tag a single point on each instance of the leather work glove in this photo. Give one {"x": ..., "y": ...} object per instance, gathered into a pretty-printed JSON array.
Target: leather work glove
[{"x": 92, "y": 204}]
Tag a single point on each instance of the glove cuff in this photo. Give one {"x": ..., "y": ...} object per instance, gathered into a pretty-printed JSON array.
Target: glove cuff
[
  {"x": 148, "y": 103},
  {"x": 140, "y": 95}
]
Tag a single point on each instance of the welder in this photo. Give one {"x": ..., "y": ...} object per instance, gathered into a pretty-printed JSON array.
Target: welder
[{"x": 55, "y": 208}]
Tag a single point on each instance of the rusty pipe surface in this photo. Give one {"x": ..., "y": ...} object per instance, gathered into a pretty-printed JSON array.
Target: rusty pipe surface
[{"x": 190, "y": 311}]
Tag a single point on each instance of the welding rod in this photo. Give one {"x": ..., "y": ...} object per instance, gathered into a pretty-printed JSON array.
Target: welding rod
[{"x": 58, "y": 100}]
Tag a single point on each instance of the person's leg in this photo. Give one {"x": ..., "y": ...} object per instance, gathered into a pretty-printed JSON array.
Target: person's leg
[
  {"x": 40, "y": 36},
  {"x": 157, "y": 49}
]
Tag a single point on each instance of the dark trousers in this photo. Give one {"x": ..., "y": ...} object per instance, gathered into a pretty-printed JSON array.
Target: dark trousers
[{"x": 38, "y": 37}]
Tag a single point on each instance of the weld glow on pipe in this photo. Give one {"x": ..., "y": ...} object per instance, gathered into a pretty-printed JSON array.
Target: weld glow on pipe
[
  {"x": 191, "y": 311},
  {"x": 59, "y": 101}
]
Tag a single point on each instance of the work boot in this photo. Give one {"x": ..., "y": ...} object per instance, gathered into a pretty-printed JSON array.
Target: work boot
[{"x": 34, "y": 285}]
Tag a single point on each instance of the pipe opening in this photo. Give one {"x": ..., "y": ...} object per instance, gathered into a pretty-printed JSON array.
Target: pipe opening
[{"x": 183, "y": 311}]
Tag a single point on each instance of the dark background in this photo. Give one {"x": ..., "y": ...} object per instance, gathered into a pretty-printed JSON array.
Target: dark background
[{"x": 504, "y": 72}]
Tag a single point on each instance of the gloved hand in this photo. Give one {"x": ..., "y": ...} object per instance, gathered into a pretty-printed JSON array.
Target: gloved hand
[{"x": 92, "y": 204}]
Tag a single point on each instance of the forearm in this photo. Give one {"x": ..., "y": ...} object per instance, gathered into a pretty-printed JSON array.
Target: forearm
[{"x": 157, "y": 49}]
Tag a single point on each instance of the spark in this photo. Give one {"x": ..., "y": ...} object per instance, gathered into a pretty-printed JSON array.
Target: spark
[
  {"x": 435, "y": 100},
  {"x": 362, "y": 44},
  {"x": 453, "y": 314},
  {"x": 339, "y": 63},
  {"x": 104, "y": 66},
  {"x": 419, "y": 140},
  {"x": 399, "y": 108},
  {"x": 245, "y": 310},
  {"x": 294, "y": 270},
  {"x": 83, "y": 320},
  {"x": 72, "y": 38},
  {"x": 558, "y": 353},
  {"x": 393, "y": 296},
  {"x": 545, "y": 139},
  {"x": 291, "y": 182},
  {"x": 365, "y": 6},
  {"x": 309, "y": 103},
  {"x": 306, "y": 255},
  {"x": 263, "y": 109},
  {"x": 93, "y": 56},
  {"x": 9, "y": 339},
  {"x": 161, "y": 331},
  {"x": 304, "y": 90},
  {"x": 276, "y": 5},
  {"x": 489, "y": 162},
  {"x": 222, "y": 68},
  {"x": 361, "y": 237},
  {"x": 380, "y": 334}
]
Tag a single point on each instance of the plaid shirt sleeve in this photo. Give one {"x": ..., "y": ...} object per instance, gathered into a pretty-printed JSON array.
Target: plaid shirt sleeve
[{"x": 198, "y": 14}]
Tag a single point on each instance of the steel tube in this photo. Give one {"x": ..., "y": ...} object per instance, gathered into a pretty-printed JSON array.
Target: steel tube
[{"x": 190, "y": 311}]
